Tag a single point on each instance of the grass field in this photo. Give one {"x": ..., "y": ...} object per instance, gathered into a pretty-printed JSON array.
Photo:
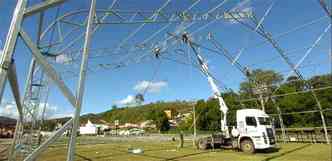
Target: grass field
[{"x": 162, "y": 151}]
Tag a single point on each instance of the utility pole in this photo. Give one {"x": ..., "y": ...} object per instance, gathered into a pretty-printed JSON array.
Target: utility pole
[
  {"x": 282, "y": 126},
  {"x": 330, "y": 54},
  {"x": 262, "y": 101},
  {"x": 194, "y": 122},
  {"x": 260, "y": 90}
]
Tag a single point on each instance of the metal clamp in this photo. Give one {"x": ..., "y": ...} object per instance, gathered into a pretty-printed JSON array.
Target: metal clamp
[{"x": 6, "y": 64}]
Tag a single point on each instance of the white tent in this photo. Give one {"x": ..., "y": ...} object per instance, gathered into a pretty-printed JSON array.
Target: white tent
[{"x": 88, "y": 129}]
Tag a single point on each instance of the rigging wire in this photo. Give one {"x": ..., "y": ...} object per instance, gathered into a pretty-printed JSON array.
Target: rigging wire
[
  {"x": 304, "y": 112},
  {"x": 290, "y": 93},
  {"x": 50, "y": 41},
  {"x": 152, "y": 78},
  {"x": 153, "y": 17}
]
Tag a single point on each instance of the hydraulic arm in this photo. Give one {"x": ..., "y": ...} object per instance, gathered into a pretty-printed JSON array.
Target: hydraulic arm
[{"x": 216, "y": 92}]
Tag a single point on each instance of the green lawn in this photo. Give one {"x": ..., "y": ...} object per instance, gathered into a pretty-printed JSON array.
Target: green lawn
[{"x": 159, "y": 151}]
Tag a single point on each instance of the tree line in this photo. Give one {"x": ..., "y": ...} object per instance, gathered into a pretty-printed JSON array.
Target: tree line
[
  {"x": 297, "y": 105},
  {"x": 263, "y": 88}
]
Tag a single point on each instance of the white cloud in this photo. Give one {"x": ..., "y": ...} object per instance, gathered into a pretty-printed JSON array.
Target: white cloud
[
  {"x": 61, "y": 115},
  {"x": 9, "y": 109},
  {"x": 151, "y": 87},
  {"x": 129, "y": 100}
]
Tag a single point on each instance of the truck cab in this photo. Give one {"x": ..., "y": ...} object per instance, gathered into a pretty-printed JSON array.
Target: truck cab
[{"x": 254, "y": 130}]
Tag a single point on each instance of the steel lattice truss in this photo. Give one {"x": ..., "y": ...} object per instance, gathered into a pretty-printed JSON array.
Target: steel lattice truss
[{"x": 145, "y": 36}]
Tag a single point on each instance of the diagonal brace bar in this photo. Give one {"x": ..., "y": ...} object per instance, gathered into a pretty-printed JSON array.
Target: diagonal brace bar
[
  {"x": 48, "y": 69},
  {"x": 12, "y": 77},
  {"x": 42, "y": 6},
  {"x": 49, "y": 141}
]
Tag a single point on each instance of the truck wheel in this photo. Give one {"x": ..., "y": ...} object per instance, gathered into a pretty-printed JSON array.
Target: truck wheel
[
  {"x": 247, "y": 146},
  {"x": 202, "y": 144}
]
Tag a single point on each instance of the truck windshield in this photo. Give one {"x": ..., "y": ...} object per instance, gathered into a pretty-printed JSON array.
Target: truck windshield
[{"x": 264, "y": 120}]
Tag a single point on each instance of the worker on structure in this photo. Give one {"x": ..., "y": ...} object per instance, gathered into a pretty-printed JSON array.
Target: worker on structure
[
  {"x": 185, "y": 37},
  {"x": 156, "y": 52}
]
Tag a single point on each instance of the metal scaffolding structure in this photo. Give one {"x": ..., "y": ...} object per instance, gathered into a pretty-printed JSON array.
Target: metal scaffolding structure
[
  {"x": 36, "y": 81},
  {"x": 31, "y": 106},
  {"x": 41, "y": 71}
]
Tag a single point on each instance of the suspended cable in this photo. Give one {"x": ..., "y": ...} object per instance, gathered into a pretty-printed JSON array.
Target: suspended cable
[
  {"x": 287, "y": 94},
  {"x": 265, "y": 14},
  {"x": 153, "y": 77},
  {"x": 153, "y": 17},
  {"x": 50, "y": 41},
  {"x": 304, "y": 112}
]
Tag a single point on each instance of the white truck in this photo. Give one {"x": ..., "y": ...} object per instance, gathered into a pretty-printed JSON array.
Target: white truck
[{"x": 254, "y": 129}]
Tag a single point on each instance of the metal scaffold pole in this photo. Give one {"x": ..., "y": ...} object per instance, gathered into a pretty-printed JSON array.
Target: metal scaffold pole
[
  {"x": 81, "y": 83},
  {"x": 7, "y": 64},
  {"x": 11, "y": 39}
]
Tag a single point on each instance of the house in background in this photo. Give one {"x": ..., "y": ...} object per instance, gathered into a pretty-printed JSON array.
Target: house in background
[
  {"x": 7, "y": 127},
  {"x": 128, "y": 126},
  {"x": 168, "y": 114},
  {"x": 147, "y": 124}
]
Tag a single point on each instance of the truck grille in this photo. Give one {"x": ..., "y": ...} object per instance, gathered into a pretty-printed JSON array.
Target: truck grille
[{"x": 270, "y": 136}]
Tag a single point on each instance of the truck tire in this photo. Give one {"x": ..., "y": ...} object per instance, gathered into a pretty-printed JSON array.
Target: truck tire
[
  {"x": 202, "y": 145},
  {"x": 247, "y": 146}
]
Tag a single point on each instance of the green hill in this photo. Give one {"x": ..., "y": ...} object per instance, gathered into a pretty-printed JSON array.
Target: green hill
[
  {"x": 129, "y": 114},
  {"x": 140, "y": 113}
]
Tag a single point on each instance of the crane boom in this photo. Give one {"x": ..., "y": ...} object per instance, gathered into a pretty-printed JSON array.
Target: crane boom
[
  {"x": 216, "y": 92},
  {"x": 240, "y": 134}
]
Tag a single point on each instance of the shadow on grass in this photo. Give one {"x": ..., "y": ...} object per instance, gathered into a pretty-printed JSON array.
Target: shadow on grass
[
  {"x": 287, "y": 152},
  {"x": 124, "y": 152},
  {"x": 267, "y": 151},
  {"x": 83, "y": 157},
  {"x": 186, "y": 155}
]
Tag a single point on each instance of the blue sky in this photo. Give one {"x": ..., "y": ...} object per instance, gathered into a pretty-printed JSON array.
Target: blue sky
[{"x": 168, "y": 80}]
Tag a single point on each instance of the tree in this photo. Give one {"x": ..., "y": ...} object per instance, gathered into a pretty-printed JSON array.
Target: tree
[
  {"x": 294, "y": 83},
  {"x": 260, "y": 84},
  {"x": 260, "y": 77},
  {"x": 232, "y": 101},
  {"x": 186, "y": 124},
  {"x": 159, "y": 119},
  {"x": 201, "y": 110},
  {"x": 208, "y": 115},
  {"x": 304, "y": 101},
  {"x": 114, "y": 107}
]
